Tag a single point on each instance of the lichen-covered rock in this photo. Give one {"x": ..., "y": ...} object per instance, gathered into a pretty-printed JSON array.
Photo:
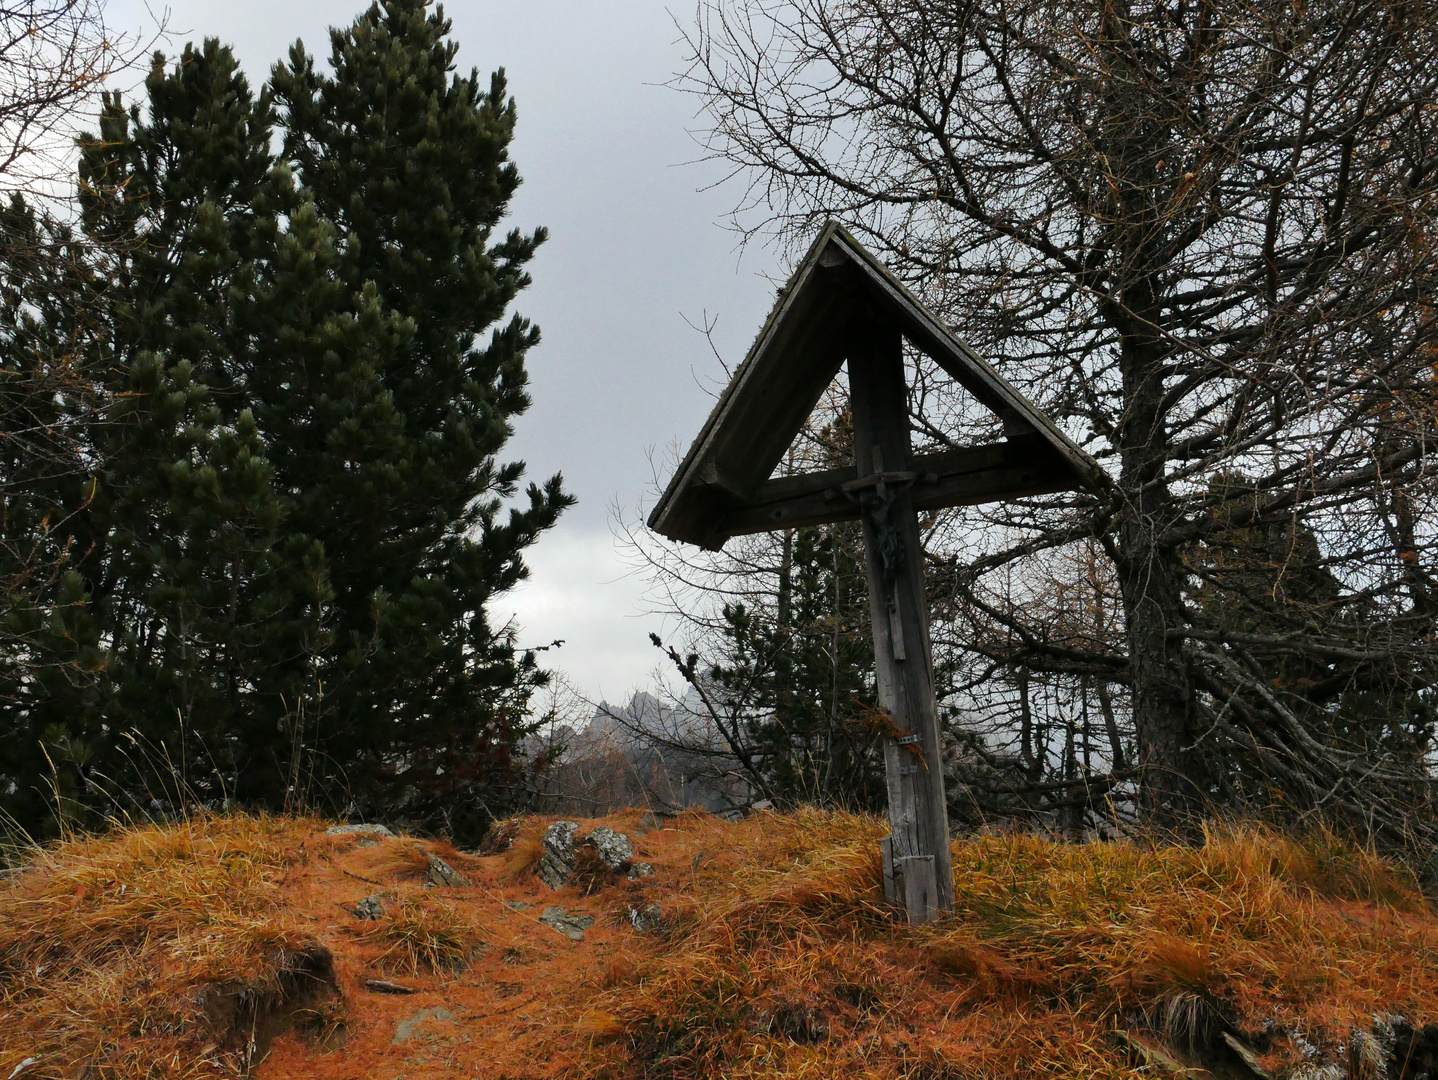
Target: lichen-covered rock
[
  {"x": 1313, "y": 1070},
  {"x": 613, "y": 848},
  {"x": 649, "y": 917},
  {"x": 1367, "y": 1056},
  {"x": 571, "y": 926},
  {"x": 556, "y": 863},
  {"x": 441, "y": 873}
]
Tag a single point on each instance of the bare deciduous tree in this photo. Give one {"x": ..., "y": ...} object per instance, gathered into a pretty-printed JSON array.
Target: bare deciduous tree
[
  {"x": 55, "y": 57},
  {"x": 1200, "y": 235}
]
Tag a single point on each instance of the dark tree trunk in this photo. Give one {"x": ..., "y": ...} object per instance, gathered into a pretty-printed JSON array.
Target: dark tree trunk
[{"x": 1150, "y": 576}]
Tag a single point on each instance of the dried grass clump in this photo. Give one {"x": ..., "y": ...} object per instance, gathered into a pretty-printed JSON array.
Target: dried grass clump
[
  {"x": 1252, "y": 918},
  {"x": 404, "y": 860},
  {"x": 525, "y": 848},
  {"x": 122, "y": 954},
  {"x": 426, "y": 934},
  {"x": 748, "y": 950},
  {"x": 1052, "y": 946}
]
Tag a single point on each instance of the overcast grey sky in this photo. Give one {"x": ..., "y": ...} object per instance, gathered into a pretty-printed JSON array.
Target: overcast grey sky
[{"x": 635, "y": 248}]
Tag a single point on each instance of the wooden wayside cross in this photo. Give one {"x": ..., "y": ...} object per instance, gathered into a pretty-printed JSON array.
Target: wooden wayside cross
[{"x": 842, "y": 305}]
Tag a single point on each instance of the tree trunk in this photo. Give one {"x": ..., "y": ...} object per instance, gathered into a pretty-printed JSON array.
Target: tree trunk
[{"x": 1150, "y": 577}]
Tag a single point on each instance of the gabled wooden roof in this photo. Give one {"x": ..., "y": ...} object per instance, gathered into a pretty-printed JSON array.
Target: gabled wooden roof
[{"x": 723, "y": 488}]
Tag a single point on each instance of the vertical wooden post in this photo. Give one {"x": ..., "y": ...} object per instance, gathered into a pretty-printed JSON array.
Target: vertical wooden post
[{"x": 918, "y": 867}]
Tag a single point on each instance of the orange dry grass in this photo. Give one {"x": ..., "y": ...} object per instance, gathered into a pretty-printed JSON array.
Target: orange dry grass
[
  {"x": 777, "y": 957},
  {"x": 1051, "y": 945},
  {"x": 525, "y": 850},
  {"x": 406, "y": 861},
  {"x": 424, "y": 934},
  {"x": 111, "y": 936}
]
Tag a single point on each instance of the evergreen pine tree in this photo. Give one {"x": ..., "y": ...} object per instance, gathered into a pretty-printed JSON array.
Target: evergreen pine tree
[
  {"x": 284, "y": 557},
  {"x": 424, "y": 700},
  {"x": 48, "y": 645},
  {"x": 298, "y": 518},
  {"x": 182, "y": 549}
]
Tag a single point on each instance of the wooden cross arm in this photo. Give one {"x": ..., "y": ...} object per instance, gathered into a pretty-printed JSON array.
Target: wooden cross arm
[{"x": 962, "y": 477}]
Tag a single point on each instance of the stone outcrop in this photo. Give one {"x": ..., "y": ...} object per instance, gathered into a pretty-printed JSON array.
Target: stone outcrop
[
  {"x": 441, "y": 873},
  {"x": 570, "y": 925},
  {"x": 604, "y": 849},
  {"x": 613, "y": 848},
  {"x": 556, "y": 863}
]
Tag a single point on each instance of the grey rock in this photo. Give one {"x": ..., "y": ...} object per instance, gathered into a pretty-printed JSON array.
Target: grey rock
[
  {"x": 649, "y": 917},
  {"x": 571, "y": 926},
  {"x": 350, "y": 830},
  {"x": 371, "y": 907},
  {"x": 405, "y": 1029},
  {"x": 1385, "y": 1030},
  {"x": 516, "y": 905},
  {"x": 441, "y": 873},
  {"x": 613, "y": 848},
  {"x": 557, "y": 861}
]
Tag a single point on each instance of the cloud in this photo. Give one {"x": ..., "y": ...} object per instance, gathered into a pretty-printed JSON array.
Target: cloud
[{"x": 581, "y": 590}]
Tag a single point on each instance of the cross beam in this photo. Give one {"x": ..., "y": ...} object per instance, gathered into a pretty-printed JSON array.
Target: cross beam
[{"x": 960, "y": 477}]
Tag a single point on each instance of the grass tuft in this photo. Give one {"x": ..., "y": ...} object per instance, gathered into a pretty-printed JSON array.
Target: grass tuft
[
  {"x": 125, "y": 954},
  {"x": 1050, "y": 947},
  {"x": 425, "y": 934},
  {"x": 525, "y": 850},
  {"x": 161, "y": 951}
]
